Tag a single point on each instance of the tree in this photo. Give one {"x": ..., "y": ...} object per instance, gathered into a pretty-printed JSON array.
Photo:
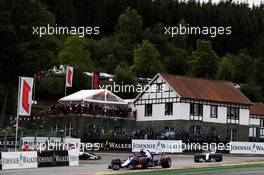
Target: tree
[
  {"x": 125, "y": 77},
  {"x": 75, "y": 52},
  {"x": 21, "y": 51},
  {"x": 146, "y": 60},
  {"x": 205, "y": 60},
  {"x": 130, "y": 22},
  {"x": 244, "y": 67},
  {"x": 177, "y": 60},
  {"x": 252, "y": 91},
  {"x": 226, "y": 69}
]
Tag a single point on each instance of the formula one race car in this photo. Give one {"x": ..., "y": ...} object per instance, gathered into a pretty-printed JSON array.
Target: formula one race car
[
  {"x": 137, "y": 161},
  {"x": 88, "y": 156},
  {"x": 208, "y": 156}
]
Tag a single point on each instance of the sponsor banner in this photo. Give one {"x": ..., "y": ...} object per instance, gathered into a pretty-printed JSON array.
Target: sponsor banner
[
  {"x": 46, "y": 159},
  {"x": 61, "y": 158},
  {"x": 69, "y": 75},
  {"x": 107, "y": 145},
  {"x": 25, "y": 96},
  {"x": 247, "y": 148},
  {"x": 19, "y": 160},
  {"x": 157, "y": 146},
  {"x": 73, "y": 157}
]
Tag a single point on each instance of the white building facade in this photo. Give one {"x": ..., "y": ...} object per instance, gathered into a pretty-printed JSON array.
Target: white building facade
[
  {"x": 256, "y": 122},
  {"x": 196, "y": 106}
]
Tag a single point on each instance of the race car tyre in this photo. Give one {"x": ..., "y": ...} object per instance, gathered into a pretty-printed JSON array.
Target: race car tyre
[
  {"x": 116, "y": 167},
  {"x": 144, "y": 162},
  {"x": 116, "y": 162},
  {"x": 219, "y": 159},
  {"x": 196, "y": 159},
  {"x": 165, "y": 162}
]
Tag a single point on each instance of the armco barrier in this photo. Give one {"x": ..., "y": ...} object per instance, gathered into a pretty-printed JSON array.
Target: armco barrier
[{"x": 33, "y": 159}]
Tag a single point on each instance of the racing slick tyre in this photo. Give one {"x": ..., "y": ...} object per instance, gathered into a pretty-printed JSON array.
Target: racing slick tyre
[
  {"x": 219, "y": 158},
  {"x": 115, "y": 164},
  {"x": 165, "y": 162},
  {"x": 144, "y": 163},
  {"x": 196, "y": 159}
]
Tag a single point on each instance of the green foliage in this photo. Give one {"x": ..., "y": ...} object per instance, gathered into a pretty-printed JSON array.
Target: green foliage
[
  {"x": 50, "y": 87},
  {"x": 146, "y": 60},
  {"x": 177, "y": 60},
  {"x": 205, "y": 60},
  {"x": 244, "y": 67},
  {"x": 130, "y": 22},
  {"x": 124, "y": 76},
  {"x": 226, "y": 70},
  {"x": 252, "y": 91},
  {"x": 75, "y": 52}
]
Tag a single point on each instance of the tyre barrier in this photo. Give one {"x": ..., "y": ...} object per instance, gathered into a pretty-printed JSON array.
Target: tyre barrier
[{"x": 34, "y": 159}]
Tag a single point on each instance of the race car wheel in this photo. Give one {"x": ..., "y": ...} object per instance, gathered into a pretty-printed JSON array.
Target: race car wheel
[
  {"x": 219, "y": 159},
  {"x": 116, "y": 162},
  {"x": 196, "y": 159},
  {"x": 115, "y": 167},
  {"x": 144, "y": 162},
  {"x": 165, "y": 162}
]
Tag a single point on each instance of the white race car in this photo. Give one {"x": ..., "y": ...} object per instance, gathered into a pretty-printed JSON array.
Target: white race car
[
  {"x": 88, "y": 156},
  {"x": 208, "y": 156}
]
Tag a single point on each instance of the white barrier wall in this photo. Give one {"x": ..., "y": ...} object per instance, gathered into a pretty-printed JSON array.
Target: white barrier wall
[
  {"x": 247, "y": 148},
  {"x": 19, "y": 160},
  {"x": 157, "y": 146}
]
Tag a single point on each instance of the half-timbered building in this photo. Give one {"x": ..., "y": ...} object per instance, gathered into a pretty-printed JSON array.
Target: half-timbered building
[
  {"x": 256, "y": 122},
  {"x": 194, "y": 106}
]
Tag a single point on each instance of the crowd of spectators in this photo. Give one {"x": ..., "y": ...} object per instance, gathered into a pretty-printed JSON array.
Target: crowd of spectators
[
  {"x": 148, "y": 133},
  {"x": 91, "y": 109},
  {"x": 166, "y": 134}
]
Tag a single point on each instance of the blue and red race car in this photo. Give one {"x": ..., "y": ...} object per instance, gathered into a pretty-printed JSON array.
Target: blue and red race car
[{"x": 142, "y": 160}]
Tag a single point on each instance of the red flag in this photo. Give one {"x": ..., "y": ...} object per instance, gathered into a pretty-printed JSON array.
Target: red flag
[
  {"x": 69, "y": 76},
  {"x": 25, "y": 96},
  {"x": 96, "y": 77},
  {"x": 38, "y": 74}
]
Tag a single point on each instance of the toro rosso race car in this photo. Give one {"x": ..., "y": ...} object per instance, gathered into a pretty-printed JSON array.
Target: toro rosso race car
[
  {"x": 142, "y": 160},
  {"x": 88, "y": 156},
  {"x": 208, "y": 156}
]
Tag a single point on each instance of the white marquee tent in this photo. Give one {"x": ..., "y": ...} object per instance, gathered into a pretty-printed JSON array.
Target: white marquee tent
[{"x": 94, "y": 96}]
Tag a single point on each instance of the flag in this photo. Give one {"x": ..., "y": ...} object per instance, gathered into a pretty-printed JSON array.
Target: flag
[
  {"x": 69, "y": 75},
  {"x": 25, "y": 95},
  {"x": 38, "y": 74},
  {"x": 96, "y": 77}
]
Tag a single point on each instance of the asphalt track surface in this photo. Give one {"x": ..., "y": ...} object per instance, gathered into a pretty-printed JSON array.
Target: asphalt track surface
[{"x": 183, "y": 163}]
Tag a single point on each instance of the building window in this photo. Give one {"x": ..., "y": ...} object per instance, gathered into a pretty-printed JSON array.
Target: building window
[
  {"x": 148, "y": 110},
  {"x": 261, "y": 132},
  {"x": 196, "y": 109},
  {"x": 233, "y": 135},
  {"x": 159, "y": 87},
  {"x": 213, "y": 111},
  {"x": 233, "y": 115},
  {"x": 252, "y": 131},
  {"x": 195, "y": 130},
  {"x": 262, "y": 123},
  {"x": 168, "y": 108}
]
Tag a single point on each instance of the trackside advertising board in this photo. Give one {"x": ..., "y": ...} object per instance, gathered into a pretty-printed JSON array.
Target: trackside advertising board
[
  {"x": 157, "y": 146},
  {"x": 73, "y": 157},
  {"x": 19, "y": 160},
  {"x": 247, "y": 148}
]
